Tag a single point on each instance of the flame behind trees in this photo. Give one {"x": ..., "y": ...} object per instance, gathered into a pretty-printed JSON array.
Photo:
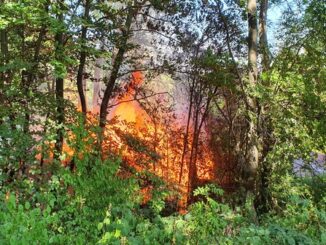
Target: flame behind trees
[
  {"x": 145, "y": 131},
  {"x": 149, "y": 137}
]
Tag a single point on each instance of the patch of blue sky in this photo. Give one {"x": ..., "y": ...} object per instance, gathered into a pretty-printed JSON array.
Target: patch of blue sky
[{"x": 275, "y": 16}]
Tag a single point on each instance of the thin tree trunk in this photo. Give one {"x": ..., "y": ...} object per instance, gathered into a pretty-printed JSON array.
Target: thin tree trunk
[
  {"x": 43, "y": 143},
  {"x": 203, "y": 118},
  {"x": 82, "y": 58},
  {"x": 3, "y": 61},
  {"x": 185, "y": 142},
  {"x": 28, "y": 76},
  {"x": 4, "y": 54},
  {"x": 59, "y": 88},
  {"x": 155, "y": 143},
  {"x": 27, "y": 79},
  {"x": 192, "y": 171},
  {"x": 24, "y": 80},
  {"x": 167, "y": 159},
  {"x": 193, "y": 178}
]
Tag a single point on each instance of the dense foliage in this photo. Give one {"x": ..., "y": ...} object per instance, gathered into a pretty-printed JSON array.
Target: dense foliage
[
  {"x": 106, "y": 209},
  {"x": 63, "y": 178}
]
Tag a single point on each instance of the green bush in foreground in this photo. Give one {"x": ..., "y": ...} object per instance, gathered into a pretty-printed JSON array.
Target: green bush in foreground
[{"x": 104, "y": 209}]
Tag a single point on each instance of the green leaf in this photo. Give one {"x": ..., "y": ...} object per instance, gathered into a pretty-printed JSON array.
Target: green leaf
[
  {"x": 27, "y": 205},
  {"x": 100, "y": 226}
]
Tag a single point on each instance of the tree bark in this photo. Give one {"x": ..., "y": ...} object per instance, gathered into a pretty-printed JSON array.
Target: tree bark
[
  {"x": 59, "y": 87},
  {"x": 186, "y": 136},
  {"x": 263, "y": 42},
  {"x": 82, "y": 58},
  {"x": 4, "y": 53},
  {"x": 263, "y": 197},
  {"x": 4, "y": 77},
  {"x": 252, "y": 141},
  {"x": 29, "y": 75},
  {"x": 192, "y": 167},
  {"x": 115, "y": 71},
  {"x": 252, "y": 41},
  {"x": 198, "y": 124}
]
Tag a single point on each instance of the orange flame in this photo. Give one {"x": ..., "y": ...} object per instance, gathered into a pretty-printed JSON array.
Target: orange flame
[
  {"x": 161, "y": 146},
  {"x": 146, "y": 144}
]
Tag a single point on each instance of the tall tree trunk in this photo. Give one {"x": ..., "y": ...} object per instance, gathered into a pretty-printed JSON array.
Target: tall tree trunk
[
  {"x": 35, "y": 62},
  {"x": 30, "y": 74},
  {"x": 263, "y": 197},
  {"x": 186, "y": 136},
  {"x": 252, "y": 141},
  {"x": 155, "y": 144},
  {"x": 28, "y": 77},
  {"x": 192, "y": 167},
  {"x": 24, "y": 80},
  {"x": 198, "y": 125},
  {"x": 3, "y": 61},
  {"x": 192, "y": 104},
  {"x": 82, "y": 58},
  {"x": 59, "y": 86},
  {"x": 4, "y": 54},
  {"x": 263, "y": 42},
  {"x": 115, "y": 71}
]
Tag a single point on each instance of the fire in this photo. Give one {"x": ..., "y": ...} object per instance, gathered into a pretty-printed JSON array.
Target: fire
[
  {"x": 129, "y": 110},
  {"x": 153, "y": 143},
  {"x": 154, "y": 146}
]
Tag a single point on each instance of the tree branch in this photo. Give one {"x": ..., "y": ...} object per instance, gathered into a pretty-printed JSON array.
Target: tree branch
[{"x": 137, "y": 99}]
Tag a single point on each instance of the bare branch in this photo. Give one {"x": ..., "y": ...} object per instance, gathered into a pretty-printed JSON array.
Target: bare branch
[{"x": 137, "y": 99}]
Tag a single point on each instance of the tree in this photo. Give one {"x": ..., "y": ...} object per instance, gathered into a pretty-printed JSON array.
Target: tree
[
  {"x": 206, "y": 65},
  {"x": 297, "y": 77},
  {"x": 83, "y": 56},
  {"x": 60, "y": 74},
  {"x": 123, "y": 28},
  {"x": 122, "y": 49},
  {"x": 252, "y": 137}
]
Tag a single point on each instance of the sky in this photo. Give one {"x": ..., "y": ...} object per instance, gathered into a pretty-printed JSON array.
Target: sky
[{"x": 274, "y": 16}]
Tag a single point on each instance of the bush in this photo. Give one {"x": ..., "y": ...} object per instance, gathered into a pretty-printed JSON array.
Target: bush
[{"x": 94, "y": 205}]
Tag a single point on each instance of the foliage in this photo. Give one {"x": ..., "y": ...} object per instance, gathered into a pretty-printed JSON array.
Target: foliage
[
  {"x": 55, "y": 217},
  {"x": 295, "y": 83},
  {"x": 84, "y": 195}
]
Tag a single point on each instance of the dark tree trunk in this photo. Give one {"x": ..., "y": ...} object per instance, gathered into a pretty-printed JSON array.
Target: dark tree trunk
[
  {"x": 115, "y": 72},
  {"x": 263, "y": 197},
  {"x": 186, "y": 136},
  {"x": 263, "y": 41},
  {"x": 59, "y": 91},
  {"x": 198, "y": 125},
  {"x": 192, "y": 167},
  {"x": 29, "y": 76},
  {"x": 82, "y": 58},
  {"x": 59, "y": 88},
  {"x": 4, "y": 55}
]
